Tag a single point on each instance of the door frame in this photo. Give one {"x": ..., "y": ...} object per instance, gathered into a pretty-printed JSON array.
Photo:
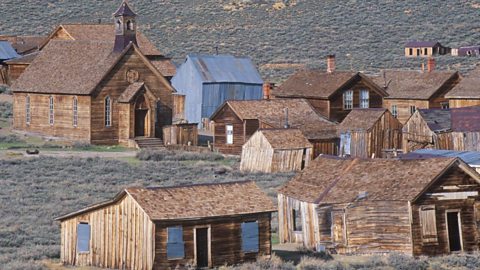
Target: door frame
[
  {"x": 209, "y": 242},
  {"x": 459, "y": 228}
]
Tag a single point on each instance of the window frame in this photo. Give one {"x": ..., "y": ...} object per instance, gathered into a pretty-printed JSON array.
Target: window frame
[
  {"x": 445, "y": 105},
  {"x": 229, "y": 138},
  {"x": 413, "y": 109},
  {"x": 297, "y": 226},
  {"x": 394, "y": 111},
  {"x": 28, "y": 111},
  {"x": 89, "y": 238},
  {"x": 75, "y": 111},
  {"x": 107, "y": 111},
  {"x": 364, "y": 102},
  {"x": 348, "y": 100},
  {"x": 182, "y": 243},
  {"x": 257, "y": 247},
  {"x": 51, "y": 110}
]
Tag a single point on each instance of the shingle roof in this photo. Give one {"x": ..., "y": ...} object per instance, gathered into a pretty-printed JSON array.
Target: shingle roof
[
  {"x": 468, "y": 87},
  {"x": 25, "y": 59},
  {"x": 328, "y": 180},
  {"x": 466, "y": 119},
  {"x": 404, "y": 84},
  {"x": 226, "y": 68},
  {"x": 195, "y": 201},
  {"x": 25, "y": 44},
  {"x": 283, "y": 138},
  {"x": 415, "y": 44},
  {"x": 6, "y": 51},
  {"x": 300, "y": 115},
  {"x": 130, "y": 92},
  {"x": 361, "y": 119},
  {"x": 165, "y": 66},
  {"x": 472, "y": 158}
]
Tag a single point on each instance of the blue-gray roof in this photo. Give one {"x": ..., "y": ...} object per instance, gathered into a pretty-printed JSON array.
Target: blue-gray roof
[
  {"x": 470, "y": 157},
  {"x": 7, "y": 51},
  {"x": 226, "y": 68}
]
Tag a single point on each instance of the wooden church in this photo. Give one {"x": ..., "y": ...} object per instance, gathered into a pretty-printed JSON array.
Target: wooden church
[{"x": 94, "y": 91}]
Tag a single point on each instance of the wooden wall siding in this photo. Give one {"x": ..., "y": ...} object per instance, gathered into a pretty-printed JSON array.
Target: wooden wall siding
[
  {"x": 310, "y": 234},
  {"x": 63, "y": 116},
  {"x": 14, "y": 72},
  {"x": 122, "y": 236},
  {"x": 182, "y": 134},
  {"x": 454, "y": 181},
  {"x": 178, "y": 107},
  {"x": 403, "y": 107},
  {"x": 113, "y": 85},
  {"x": 327, "y": 147},
  {"x": 459, "y": 103},
  {"x": 226, "y": 241}
]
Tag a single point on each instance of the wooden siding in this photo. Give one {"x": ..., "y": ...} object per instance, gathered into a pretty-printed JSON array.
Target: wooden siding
[
  {"x": 403, "y": 107},
  {"x": 178, "y": 107},
  {"x": 226, "y": 241},
  {"x": 326, "y": 147},
  {"x": 459, "y": 103},
  {"x": 121, "y": 236},
  {"x": 14, "y": 71},
  {"x": 183, "y": 134},
  {"x": 63, "y": 116}
]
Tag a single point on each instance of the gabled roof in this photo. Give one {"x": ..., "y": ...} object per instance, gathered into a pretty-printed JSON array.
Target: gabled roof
[
  {"x": 130, "y": 92},
  {"x": 411, "y": 84},
  {"x": 285, "y": 138},
  {"x": 466, "y": 119},
  {"x": 331, "y": 181},
  {"x": 225, "y": 68},
  {"x": 361, "y": 119},
  {"x": 472, "y": 158},
  {"x": 6, "y": 51},
  {"x": 319, "y": 84},
  {"x": 468, "y": 87},
  {"x": 194, "y": 201},
  {"x": 25, "y": 59},
  {"x": 416, "y": 44},
  {"x": 124, "y": 10},
  {"x": 300, "y": 115}
]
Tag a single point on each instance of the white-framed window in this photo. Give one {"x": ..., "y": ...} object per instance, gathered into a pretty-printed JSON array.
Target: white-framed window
[
  {"x": 348, "y": 100},
  {"x": 75, "y": 111},
  {"x": 364, "y": 99},
  {"x": 28, "y": 116},
  {"x": 412, "y": 109},
  {"x": 229, "y": 133},
  {"x": 51, "y": 117},
  {"x": 394, "y": 111},
  {"x": 83, "y": 238},
  {"x": 108, "y": 112},
  {"x": 250, "y": 237},
  {"x": 175, "y": 244}
]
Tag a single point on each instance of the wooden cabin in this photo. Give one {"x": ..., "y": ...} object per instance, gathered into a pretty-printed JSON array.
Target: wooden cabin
[
  {"x": 412, "y": 90},
  {"x": 332, "y": 93},
  {"x": 169, "y": 228},
  {"x": 360, "y": 206},
  {"x": 454, "y": 129},
  {"x": 235, "y": 121},
  {"x": 368, "y": 132},
  {"x": 425, "y": 49},
  {"x": 467, "y": 92},
  {"x": 276, "y": 150},
  {"x": 97, "y": 92}
]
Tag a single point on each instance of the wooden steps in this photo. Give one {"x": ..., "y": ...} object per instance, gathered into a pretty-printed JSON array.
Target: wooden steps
[{"x": 149, "y": 143}]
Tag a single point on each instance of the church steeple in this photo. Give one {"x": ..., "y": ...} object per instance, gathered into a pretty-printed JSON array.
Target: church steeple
[{"x": 125, "y": 27}]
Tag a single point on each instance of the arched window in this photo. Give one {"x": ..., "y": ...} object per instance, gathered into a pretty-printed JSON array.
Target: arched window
[
  {"x": 51, "y": 118},
  {"x": 108, "y": 112},
  {"x": 75, "y": 111},
  {"x": 118, "y": 24},
  {"x": 27, "y": 110},
  {"x": 129, "y": 25}
]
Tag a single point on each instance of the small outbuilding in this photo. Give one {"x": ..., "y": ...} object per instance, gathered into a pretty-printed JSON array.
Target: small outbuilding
[
  {"x": 368, "y": 132},
  {"x": 204, "y": 225},
  {"x": 276, "y": 150},
  {"x": 425, "y": 48}
]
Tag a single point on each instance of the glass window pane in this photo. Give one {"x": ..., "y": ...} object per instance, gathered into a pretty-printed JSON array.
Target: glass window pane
[
  {"x": 250, "y": 237},
  {"x": 83, "y": 237}
]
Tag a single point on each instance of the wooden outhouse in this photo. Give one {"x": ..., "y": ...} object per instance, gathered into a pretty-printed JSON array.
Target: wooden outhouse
[
  {"x": 368, "y": 132},
  {"x": 169, "y": 228},
  {"x": 352, "y": 206},
  {"x": 276, "y": 150},
  {"x": 467, "y": 92}
]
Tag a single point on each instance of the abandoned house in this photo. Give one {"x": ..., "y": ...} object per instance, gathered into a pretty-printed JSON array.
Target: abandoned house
[
  {"x": 235, "y": 121},
  {"x": 453, "y": 129},
  {"x": 472, "y": 158},
  {"x": 412, "y": 90},
  {"x": 354, "y": 206},
  {"x": 207, "y": 81},
  {"x": 332, "y": 93},
  {"x": 369, "y": 132},
  {"x": 276, "y": 150},
  {"x": 157, "y": 228},
  {"x": 425, "y": 48},
  {"x": 97, "y": 92},
  {"x": 467, "y": 92}
]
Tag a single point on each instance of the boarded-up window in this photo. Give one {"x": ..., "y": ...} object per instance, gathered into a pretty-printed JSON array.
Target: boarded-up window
[
  {"x": 229, "y": 131},
  {"x": 348, "y": 100},
  {"x": 250, "y": 236},
  {"x": 364, "y": 99},
  {"x": 345, "y": 139},
  {"x": 175, "y": 245},
  {"x": 83, "y": 237},
  {"x": 428, "y": 224}
]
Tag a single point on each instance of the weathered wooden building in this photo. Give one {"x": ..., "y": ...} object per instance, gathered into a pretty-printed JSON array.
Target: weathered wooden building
[
  {"x": 332, "y": 93},
  {"x": 368, "y": 132},
  {"x": 453, "y": 129},
  {"x": 413, "y": 206},
  {"x": 207, "y": 81},
  {"x": 276, "y": 150},
  {"x": 425, "y": 48},
  {"x": 467, "y": 92},
  {"x": 236, "y": 121},
  {"x": 99, "y": 92},
  {"x": 169, "y": 228}
]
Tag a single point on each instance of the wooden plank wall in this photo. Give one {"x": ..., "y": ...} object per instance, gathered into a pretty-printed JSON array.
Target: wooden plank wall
[
  {"x": 178, "y": 107},
  {"x": 326, "y": 147},
  {"x": 417, "y": 134},
  {"x": 14, "y": 72},
  {"x": 226, "y": 241},
  {"x": 122, "y": 236},
  {"x": 403, "y": 107},
  {"x": 459, "y": 103},
  {"x": 182, "y": 134}
]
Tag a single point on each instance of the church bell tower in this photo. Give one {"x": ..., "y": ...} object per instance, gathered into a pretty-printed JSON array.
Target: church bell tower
[{"x": 125, "y": 27}]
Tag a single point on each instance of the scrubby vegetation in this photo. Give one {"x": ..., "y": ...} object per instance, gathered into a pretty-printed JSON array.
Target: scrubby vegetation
[
  {"x": 177, "y": 155},
  {"x": 6, "y": 109}
]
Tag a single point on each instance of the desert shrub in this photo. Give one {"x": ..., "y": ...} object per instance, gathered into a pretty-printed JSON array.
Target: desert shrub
[
  {"x": 372, "y": 262},
  {"x": 404, "y": 262},
  {"x": 11, "y": 138},
  {"x": 6, "y": 109},
  {"x": 322, "y": 255},
  {"x": 152, "y": 155},
  {"x": 5, "y": 90},
  {"x": 469, "y": 261},
  {"x": 273, "y": 263},
  {"x": 309, "y": 263}
]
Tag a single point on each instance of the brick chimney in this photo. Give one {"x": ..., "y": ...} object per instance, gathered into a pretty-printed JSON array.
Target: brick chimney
[
  {"x": 330, "y": 63},
  {"x": 430, "y": 64},
  {"x": 267, "y": 90}
]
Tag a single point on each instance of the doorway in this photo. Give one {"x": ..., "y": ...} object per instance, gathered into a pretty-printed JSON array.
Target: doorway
[
  {"x": 202, "y": 247},
  {"x": 454, "y": 231},
  {"x": 140, "y": 119}
]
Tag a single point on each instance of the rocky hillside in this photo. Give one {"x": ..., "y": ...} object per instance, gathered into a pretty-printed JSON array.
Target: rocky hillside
[{"x": 279, "y": 35}]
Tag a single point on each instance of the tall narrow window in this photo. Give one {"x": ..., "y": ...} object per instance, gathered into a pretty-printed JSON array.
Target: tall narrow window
[
  {"x": 394, "y": 111},
  {"x": 51, "y": 118},
  {"x": 229, "y": 133},
  {"x": 83, "y": 237},
  {"x": 108, "y": 112},
  {"x": 412, "y": 109},
  {"x": 410, "y": 51},
  {"x": 348, "y": 100},
  {"x": 364, "y": 99},
  {"x": 428, "y": 223},
  {"x": 75, "y": 111},
  {"x": 175, "y": 244},
  {"x": 426, "y": 51},
  {"x": 27, "y": 110},
  {"x": 297, "y": 220},
  {"x": 250, "y": 236}
]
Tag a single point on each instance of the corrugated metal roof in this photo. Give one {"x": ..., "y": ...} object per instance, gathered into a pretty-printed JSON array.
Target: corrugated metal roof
[
  {"x": 6, "y": 51},
  {"x": 470, "y": 157},
  {"x": 226, "y": 68}
]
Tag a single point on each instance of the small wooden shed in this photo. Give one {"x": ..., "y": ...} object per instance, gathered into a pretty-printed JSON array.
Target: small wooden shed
[
  {"x": 182, "y": 134},
  {"x": 353, "y": 206},
  {"x": 367, "y": 132},
  {"x": 168, "y": 228},
  {"x": 276, "y": 150}
]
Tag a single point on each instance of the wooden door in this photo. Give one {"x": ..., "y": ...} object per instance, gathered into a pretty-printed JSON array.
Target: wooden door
[
  {"x": 202, "y": 247},
  {"x": 140, "y": 117}
]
